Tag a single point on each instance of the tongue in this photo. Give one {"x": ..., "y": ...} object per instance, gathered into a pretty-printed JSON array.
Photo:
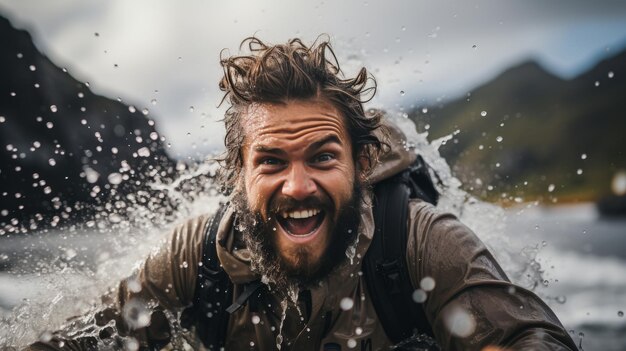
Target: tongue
[{"x": 300, "y": 226}]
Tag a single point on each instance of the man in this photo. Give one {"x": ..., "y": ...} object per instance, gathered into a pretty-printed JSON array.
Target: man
[{"x": 301, "y": 159}]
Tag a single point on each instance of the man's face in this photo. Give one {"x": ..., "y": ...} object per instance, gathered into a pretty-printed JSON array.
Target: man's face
[{"x": 298, "y": 178}]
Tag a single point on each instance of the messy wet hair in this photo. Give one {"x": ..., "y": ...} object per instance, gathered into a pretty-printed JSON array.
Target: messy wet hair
[{"x": 294, "y": 71}]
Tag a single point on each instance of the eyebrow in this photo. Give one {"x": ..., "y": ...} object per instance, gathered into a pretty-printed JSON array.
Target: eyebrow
[
  {"x": 327, "y": 140},
  {"x": 313, "y": 146}
]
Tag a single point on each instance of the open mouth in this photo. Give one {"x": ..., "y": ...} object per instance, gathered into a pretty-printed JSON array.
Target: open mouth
[{"x": 302, "y": 222}]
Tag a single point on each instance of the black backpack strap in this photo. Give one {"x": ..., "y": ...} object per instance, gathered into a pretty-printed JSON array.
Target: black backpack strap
[
  {"x": 420, "y": 182},
  {"x": 384, "y": 266},
  {"x": 214, "y": 291}
]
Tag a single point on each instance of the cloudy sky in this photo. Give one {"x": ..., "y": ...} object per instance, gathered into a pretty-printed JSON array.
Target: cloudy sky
[{"x": 163, "y": 55}]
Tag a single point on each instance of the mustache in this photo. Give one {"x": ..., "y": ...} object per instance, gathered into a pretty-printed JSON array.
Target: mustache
[{"x": 280, "y": 203}]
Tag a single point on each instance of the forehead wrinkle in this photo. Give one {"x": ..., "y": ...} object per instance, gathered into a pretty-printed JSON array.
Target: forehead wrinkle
[{"x": 302, "y": 126}]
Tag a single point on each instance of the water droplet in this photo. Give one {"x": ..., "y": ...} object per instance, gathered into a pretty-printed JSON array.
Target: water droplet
[
  {"x": 53, "y": 108},
  {"x": 499, "y": 139},
  {"x": 154, "y": 135},
  {"x": 402, "y": 93},
  {"x": 561, "y": 299},
  {"x": 544, "y": 243},
  {"x": 474, "y": 46},
  {"x": 114, "y": 150},
  {"x": 19, "y": 55},
  {"x": 136, "y": 314},
  {"x": 81, "y": 95},
  {"x": 346, "y": 303},
  {"x": 256, "y": 319},
  {"x": 424, "y": 110},
  {"x": 419, "y": 296},
  {"x": 83, "y": 121},
  {"x": 96, "y": 34},
  {"x": 12, "y": 93},
  {"x": 131, "y": 344},
  {"x": 145, "y": 111},
  {"x": 620, "y": 313},
  {"x": 49, "y": 125},
  {"x": 583, "y": 156},
  {"x": 191, "y": 108},
  {"x": 351, "y": 343},
  {"x": 403, "y": 28},
  {"x": 279, "y": 341},
  {"x": 153, "y": 101},
  {"x": 32, "y": 68},
  {"x": 2, "y": 119},
  {"x": 91, "y": 175},
  {"x": 47, "y": 190},
  {"x": 483, "y": 113},
  {"x": 551, "y": 187},
  {"x": 427, "y": 283},
  {"x": 579, "y": 171},
  {"x": 143, "y": 152},
  {"x": 132, "y": 109},
  {"x": 358, "y": 331},
  {"x": 597, "y": 83},
  {"x": 459, "y": 322},
  {"x": 611, "y": 74},
  {"x": 114, "y": 178},
  {"x": 45, "y": 336},
  {"x": 52, "y": 162}
]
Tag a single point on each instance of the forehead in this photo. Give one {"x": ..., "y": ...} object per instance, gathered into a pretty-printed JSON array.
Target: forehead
[{"x": 298, "y": 120}]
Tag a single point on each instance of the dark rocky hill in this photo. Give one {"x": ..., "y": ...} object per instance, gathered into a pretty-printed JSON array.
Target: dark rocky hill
[
  {"x": 538, "y": 130},
  {"x": 63, "y": 149}
]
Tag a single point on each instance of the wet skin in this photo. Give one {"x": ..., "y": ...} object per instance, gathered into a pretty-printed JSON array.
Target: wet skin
[{"x": 293, "y": 153}]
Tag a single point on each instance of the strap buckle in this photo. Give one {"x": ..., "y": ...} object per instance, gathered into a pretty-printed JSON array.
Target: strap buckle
[{"x": 391, "y": 273}]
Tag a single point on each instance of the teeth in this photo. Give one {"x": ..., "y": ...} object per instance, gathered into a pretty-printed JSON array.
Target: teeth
[{"x": 300, "y": 214}]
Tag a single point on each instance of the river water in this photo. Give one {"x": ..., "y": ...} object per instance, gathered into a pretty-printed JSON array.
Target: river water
[{"x": 575, "y": 260}]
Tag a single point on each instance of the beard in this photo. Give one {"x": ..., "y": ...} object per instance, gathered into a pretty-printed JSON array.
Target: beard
[{"x": 304, "y": 270}]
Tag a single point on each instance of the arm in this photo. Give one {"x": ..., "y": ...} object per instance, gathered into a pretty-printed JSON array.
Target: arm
[
  {"x": 473, "y": 304},
  {"x": 140, "y": 305}
]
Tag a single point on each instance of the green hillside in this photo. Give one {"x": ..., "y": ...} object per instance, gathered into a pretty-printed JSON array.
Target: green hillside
[{"x": 569, "y": 133}]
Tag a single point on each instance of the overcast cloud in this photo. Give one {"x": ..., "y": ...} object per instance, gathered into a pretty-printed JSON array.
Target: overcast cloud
[{"x": 168, "y": 51}]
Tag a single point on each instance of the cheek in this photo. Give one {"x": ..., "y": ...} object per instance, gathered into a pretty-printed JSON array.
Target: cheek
[
  {"x": 339, "y": 185},
  {"x": 259, "y": 190}
]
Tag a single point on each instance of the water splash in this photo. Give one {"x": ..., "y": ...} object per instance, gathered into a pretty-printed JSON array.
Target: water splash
[{"x": 127, "y": 228}]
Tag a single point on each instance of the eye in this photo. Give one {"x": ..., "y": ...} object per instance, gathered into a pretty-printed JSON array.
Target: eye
[
  {"x": 325, "y": 157},
  {"x": 271, "y": 161}
]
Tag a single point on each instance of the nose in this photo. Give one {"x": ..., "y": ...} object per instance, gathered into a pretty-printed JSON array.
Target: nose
[{"x": 299, "y": 185}]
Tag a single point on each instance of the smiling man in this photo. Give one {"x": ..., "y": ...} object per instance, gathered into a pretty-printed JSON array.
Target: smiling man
[{"x": 282, "y": 265}]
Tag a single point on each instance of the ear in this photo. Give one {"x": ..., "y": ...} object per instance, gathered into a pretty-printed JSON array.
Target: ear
[{"x": 363, "y": 167}]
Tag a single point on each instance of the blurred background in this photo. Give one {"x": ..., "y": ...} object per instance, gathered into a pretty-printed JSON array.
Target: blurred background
[{"x": 525, "y": 101}]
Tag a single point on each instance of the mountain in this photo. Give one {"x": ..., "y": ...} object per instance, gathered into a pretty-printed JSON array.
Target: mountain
[
  {"x": 63, "y": 149},
  {"x": 530, "y": 134}
]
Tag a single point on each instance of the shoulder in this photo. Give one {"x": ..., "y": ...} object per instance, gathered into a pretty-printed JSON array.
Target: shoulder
[
  {"x": 190, "y": 233},
  {"x": 439, "y": 244}
]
